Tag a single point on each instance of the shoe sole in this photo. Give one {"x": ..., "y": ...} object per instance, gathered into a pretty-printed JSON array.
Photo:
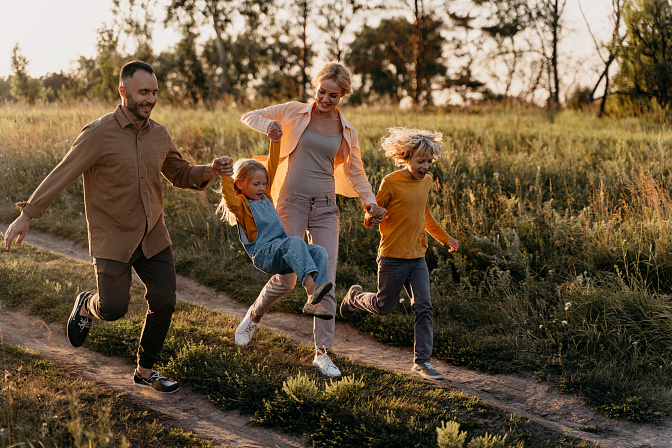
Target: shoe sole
[
  {"x": 428, "y": 377},
  {"x": 326, "y": 374},
  {"x": 75, "y": 311},
  {"x": 159, "y": 391},
  {"x": 345, "y": 312},
  {"x": 323, "y": 292},
  {"x": 319, "y": 316}
]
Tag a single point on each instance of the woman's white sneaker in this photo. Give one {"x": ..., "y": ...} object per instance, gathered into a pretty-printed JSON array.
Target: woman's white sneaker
[{"x": 326, "y": 366}]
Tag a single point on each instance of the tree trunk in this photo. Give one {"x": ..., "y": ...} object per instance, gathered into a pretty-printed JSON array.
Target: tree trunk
[
  {"x": 304, "y": 51},
  {"x": 554, "y": 56},
  {"x": 415, "y": 81}
]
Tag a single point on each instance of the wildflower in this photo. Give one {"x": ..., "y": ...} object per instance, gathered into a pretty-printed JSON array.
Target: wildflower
[
  {"x": 567, "y": 305},
  {"x": 401, "y": 300},
  {"x": 564, "y": 322},
  {"x": 541, "y": 327}
]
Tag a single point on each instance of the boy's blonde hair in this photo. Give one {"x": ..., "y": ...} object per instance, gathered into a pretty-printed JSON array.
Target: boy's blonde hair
[
  {"x": 243, "y": 169},
  {"x": 402, "y": 143}
]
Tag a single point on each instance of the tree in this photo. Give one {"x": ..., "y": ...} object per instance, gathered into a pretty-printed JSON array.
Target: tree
[
  {"x": 221, "y": 16},
  {"x": 419, "y": 59},
  {"x": 385, "y": 56},
  {"x": 183, "y": 70},
  {"x": 22, "y": 85},
  {"x": 297, "y": 31},
  {"x": 109, "y": 62},
  {"x": 135, "y": 18},
  {"x": 547, "y": 16},
  {"x": 505, "y": 23},
  {"x": 5, "y": 89},
  {"x": 646, "y": 55},
  {"x": 53, "y": 84},
  {"x": 611, "y": 47},
  {"x": 337, "y": 17}
]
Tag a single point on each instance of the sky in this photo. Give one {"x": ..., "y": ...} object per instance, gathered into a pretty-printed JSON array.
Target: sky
[{"x": 53, "y": 34}]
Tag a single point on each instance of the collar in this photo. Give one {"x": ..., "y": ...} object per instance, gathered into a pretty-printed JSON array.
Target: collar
[
  {"x": 125, "y": 122},
  {"x": 346, "y": 124}
]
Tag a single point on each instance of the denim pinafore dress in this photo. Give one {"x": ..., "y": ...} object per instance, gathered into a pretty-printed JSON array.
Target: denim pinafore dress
[{"x": 265, "y": 249}]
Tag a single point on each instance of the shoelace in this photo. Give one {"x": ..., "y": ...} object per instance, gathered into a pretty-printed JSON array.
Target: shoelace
[
  {"x": 84, "y": 322},
  {"x": 251, "y": 325},
  {"x": 429, "y": 366},
  {"x": 156, "y": 376},
  {"x": 328, "y": 363}
]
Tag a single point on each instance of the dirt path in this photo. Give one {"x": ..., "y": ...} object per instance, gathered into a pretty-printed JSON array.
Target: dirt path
[{"x": 521, "y": 394}]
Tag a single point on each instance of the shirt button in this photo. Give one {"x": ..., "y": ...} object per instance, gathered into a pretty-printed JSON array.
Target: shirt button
[
  {"x": 140, "y": 157},
  {"x": 142, "y": 177}
]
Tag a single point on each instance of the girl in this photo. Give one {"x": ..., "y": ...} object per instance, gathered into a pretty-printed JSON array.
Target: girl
[
  {"x": 401, "y": 254},
  {"x": 246, "y": 203}
]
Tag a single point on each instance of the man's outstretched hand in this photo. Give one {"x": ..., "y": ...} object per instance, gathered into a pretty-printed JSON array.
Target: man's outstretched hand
[{"x": 17, "y": 230}]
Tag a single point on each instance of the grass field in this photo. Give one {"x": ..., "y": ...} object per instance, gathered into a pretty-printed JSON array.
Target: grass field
[
  {"x": 565, "y": 261},
  {"x": 272, "y": 381}
]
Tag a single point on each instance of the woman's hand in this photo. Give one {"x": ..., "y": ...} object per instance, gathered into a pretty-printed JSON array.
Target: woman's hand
[
  {"x": 274, "y": 131},
  {"x": 377, "y": 213}
]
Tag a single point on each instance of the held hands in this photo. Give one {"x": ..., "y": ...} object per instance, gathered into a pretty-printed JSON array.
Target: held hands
[
  {"x": 17, "y": 230},
  {"x": 452, "y": 244},
  {"x": 274, "y": 131},
  {"x": 223, "y": 166},
  {"x": 374, "y": 213}
]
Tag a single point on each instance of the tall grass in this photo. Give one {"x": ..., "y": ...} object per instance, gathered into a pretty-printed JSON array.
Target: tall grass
[{"x": 538, "y": 207}]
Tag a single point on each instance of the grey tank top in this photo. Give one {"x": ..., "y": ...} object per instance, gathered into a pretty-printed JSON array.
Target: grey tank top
[{"x": 311, "y": 164}]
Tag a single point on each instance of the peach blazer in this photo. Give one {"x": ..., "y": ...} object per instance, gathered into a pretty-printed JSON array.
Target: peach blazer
[{"x": 349, "y": 175}]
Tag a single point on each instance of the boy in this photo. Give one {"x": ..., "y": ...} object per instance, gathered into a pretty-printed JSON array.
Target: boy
[{"x": 401, "y": 254}]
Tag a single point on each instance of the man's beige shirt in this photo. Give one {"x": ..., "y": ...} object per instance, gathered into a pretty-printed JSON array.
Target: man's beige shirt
[{"x": 122, "y": 170}]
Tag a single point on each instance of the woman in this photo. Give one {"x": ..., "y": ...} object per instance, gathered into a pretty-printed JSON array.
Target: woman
[{"x": 319, "y": 158}]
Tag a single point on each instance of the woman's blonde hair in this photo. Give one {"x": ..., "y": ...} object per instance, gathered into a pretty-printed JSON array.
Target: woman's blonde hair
[
  {"x": 338, "y": 73},
  {"x": 243, "y": 169},
  {"x": 402, "y": 143}
]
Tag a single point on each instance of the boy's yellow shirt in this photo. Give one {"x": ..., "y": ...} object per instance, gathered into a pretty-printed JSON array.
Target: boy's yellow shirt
[{"x": 407, "y": 217}]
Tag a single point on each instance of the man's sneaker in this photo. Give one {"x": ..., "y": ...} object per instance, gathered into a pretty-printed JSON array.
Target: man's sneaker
[
  {"x": 347, "y": 310},
  {"x": 319, "y": 293},
  {"x": 156, "y": 381},
  {"x": 426, "y": 370},
  {"x": 317, "y": 311},
  {"x": 326, "y": 366},
  {"x": 78, "y": 326},
  {"x": 246, "y": 329}
]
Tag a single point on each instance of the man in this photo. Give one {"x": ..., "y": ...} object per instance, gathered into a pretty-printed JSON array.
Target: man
[{"x": 122, "y": 156}]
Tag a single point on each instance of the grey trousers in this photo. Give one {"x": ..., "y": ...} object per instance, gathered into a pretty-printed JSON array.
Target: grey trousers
[
  {"x": 413, "y": 276},
  {"x": 113, "y": 296},
  {"x": 319, "y": 217}
]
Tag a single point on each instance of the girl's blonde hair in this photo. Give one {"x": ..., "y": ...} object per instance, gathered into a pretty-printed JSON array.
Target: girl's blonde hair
[
  {"x": 402, "y": 143},
  {"x": 338, "y": 73},
  {"x": 243, "y": 169}
]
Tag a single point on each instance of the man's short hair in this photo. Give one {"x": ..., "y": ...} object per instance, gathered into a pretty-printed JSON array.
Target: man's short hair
[{"x": 129, "y": 69}]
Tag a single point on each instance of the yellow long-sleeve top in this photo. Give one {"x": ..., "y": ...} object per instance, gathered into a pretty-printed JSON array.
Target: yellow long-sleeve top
[
  {"x": 237, "y": 202},
  {"x": 407, "y": 217}
]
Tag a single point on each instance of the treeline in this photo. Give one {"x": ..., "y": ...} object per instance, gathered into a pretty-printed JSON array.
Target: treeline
[{"x": 418, "y": 51}]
